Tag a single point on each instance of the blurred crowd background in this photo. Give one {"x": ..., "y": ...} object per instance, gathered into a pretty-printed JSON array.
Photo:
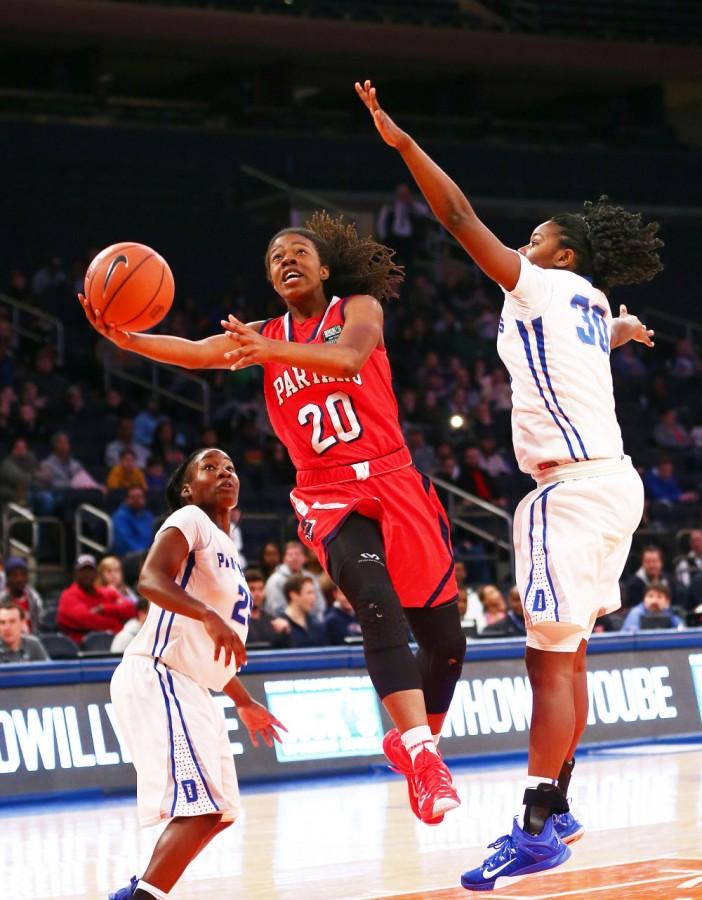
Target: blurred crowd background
[{"x": 204, "y": 152}]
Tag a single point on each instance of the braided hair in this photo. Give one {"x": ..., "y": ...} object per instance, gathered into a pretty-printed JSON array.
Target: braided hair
[
  {"x": 175, "y": 484},
  {"x": 612, "y": 246},
  {"x": 357, "y": 265}
]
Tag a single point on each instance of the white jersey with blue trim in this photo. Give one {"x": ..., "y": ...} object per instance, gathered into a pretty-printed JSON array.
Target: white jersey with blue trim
[
  {"x": 554, "y": 339},
  {"x": 212, "y": 573}
]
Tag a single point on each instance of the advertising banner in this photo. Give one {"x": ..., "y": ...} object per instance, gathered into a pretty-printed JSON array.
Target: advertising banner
[{"x": 57, "y": 738}]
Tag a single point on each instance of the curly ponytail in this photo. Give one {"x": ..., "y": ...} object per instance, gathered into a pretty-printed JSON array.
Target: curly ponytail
[
  {"x": 357, "y": 265},
  {"x": 612, "y": 246}
]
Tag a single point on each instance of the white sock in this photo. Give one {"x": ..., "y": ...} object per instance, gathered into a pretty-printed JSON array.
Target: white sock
[
  {"x": 150, "y": 889},
  {"x": 437, "y": 738},
  {"x": 417, "y": 739},
  {"x": 533, "y": 781}
]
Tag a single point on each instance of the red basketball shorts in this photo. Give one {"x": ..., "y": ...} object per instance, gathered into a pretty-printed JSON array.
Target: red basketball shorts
[{"x": 413, "y": 523}]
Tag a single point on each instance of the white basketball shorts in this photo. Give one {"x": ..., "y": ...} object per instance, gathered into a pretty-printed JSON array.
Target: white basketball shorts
[
  {"x": 572, "y": 537},
  {"x": 177, "y": 740}
]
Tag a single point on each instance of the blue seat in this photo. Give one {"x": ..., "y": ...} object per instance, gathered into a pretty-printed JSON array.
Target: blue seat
[{"x": 58, "y": 646}]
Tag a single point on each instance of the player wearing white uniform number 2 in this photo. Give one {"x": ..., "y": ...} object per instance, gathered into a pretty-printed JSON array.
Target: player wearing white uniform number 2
[
  {"x": 572, "y": 534},
  {"x": 191, "y": 643}
]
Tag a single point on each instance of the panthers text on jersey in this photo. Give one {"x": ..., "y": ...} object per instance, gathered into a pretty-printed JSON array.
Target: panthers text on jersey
[{"x": 324, "y": 421}]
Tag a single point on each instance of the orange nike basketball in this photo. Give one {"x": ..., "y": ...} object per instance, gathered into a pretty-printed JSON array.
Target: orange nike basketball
[{"x": 131, "y": 285}]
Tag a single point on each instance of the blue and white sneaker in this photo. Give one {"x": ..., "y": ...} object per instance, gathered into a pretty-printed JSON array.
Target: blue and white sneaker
[
  {"x": 518, "y": 853},
  {"x": 567, "y": 827},
  {"x": 126, "y": 892}
]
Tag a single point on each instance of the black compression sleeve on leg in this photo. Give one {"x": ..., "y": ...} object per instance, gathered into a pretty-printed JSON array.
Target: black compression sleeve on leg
[
  {"x": 357, "y": 565},
  {"x": 442, "y": 647}
]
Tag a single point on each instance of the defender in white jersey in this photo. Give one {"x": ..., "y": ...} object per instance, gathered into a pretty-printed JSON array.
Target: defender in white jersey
[
  {"x": 191, "y": 643},
  {"x": 573, "y": 533}
]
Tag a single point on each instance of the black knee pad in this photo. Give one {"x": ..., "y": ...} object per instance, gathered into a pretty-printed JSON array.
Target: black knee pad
[
  {"x": 442, "y": 647},
  {"x": 357, "y": 565},
  {"x": 438, "y": 631}
]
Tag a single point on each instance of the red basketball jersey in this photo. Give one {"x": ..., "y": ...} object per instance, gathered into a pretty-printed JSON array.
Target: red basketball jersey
[{"x": 325, "y": 421}]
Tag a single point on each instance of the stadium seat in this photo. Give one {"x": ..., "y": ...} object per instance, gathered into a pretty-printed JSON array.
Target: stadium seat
[
  {"x": 100, "y": 641},
  {"x": 58, "y": 646}
]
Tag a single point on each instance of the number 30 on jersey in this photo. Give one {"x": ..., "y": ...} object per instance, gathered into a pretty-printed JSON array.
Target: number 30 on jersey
[{"x": 335, "y": 421}]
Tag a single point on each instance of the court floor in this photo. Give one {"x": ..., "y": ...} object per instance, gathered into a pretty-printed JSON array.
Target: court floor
[{"x": 355, "y": 839}]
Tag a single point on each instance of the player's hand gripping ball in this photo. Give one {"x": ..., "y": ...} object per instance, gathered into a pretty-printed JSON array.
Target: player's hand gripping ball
[{"x": 130, "y": 285}]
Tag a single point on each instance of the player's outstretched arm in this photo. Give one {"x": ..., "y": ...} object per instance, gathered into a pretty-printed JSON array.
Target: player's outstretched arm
[
  {"x": 205, "y": 354},
  {"x": 627, "y": 327},
  {"x": 360, "y": 335},
  {"x": 157, "y": 583},
  {"x": 258, "y": 720},
  {"x": 447, "y": 200}
]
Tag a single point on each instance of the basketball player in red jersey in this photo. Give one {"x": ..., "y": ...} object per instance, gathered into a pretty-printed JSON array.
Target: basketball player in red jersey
[{"x": 374, "y": 521}]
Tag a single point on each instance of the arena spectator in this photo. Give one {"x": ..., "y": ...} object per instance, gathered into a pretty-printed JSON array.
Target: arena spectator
[
  {"x": 662, "y": 486},
  {"x": 27, "y": 422},
  {"x": 269, "y": 559},
  {"x": 690, "y": 565},
  {"x": 165, "y": 445},
  {"x": 60, "y": 469},
  {"x": 7, "y": 355},
  {"x": 111, "y": 574},
  {"x": 423, "y": 456},
  {"x": 82, "y": 607},
  {"x": 18, "y": 590},
  {"x": 626, "y": 363},
  {"x": 301, "y": 600},
  {"x": 125, "y": 441},
  {"x": 512, "y": 624},
  {"x": 264, "y": 628},
  {"x": 340, "y": 620},
  {"x": 686, "y": 363},
  {"x": 494, "y": 606},
  {"x": 400, "y": 223},
  {"x": 126, "y": 474},
  {"x": 132, "y": 523},
  {"x": 147, "y": 421},
  {"x": 474, "y": 479},
  {"x": 50, "y": 382},
  {"x": 293, "y": 564},
  {"x": 650, "y": 572},
  {"x": 17, "y": 473},
  {"x": 670, "y": 434},
  {"x": 656, "y": 604},
  {"x": 131, "y": 628},
  {"x": 491, "y": 459},
  {"x": 15, "y": 645},
  {"x": 78, "y": 415},
  {"x": 234, "y": 526},
  {"x": 155, "y": 474}
]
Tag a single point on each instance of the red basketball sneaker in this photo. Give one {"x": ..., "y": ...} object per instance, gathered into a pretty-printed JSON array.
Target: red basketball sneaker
[
  {"x": 436, "y": 794},
  {"x": 401, "y": 762}
]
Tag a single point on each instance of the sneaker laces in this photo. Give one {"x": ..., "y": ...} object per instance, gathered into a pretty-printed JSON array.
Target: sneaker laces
[
  {"x": 504, "y": 847},
  {"x": 433, "y": 776}
]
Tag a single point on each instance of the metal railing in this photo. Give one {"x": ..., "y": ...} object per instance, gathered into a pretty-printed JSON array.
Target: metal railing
[
  {"x": 672, "y": 328},
  {"x": 21, "y": 312},
  {"x": 152, "y": 381},
  {"x": 462, "y": 507},
  {"x": 14, "y": 517},
  {"x": 84, "y": 514}
]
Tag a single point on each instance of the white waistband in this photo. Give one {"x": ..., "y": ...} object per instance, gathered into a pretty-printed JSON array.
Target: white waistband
[{"x": 589, "y": 468}]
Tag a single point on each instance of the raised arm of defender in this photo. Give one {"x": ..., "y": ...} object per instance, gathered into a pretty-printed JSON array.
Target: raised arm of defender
[{"x": 447, "y": 200}]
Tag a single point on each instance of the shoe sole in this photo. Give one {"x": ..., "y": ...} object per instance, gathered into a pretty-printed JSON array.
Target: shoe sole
[
  {"x": 444, "y": 805},
  {"x": 572, "y": 838},
  {"x": 543, "y": 866}
]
